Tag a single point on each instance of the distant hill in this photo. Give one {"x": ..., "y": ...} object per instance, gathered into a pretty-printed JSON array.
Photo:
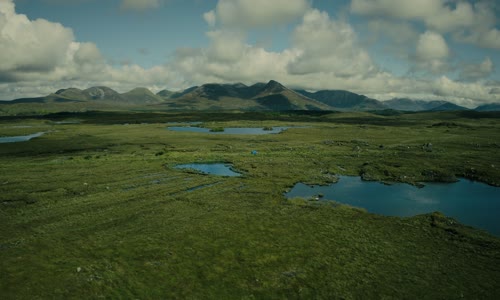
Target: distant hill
[
  {"x": 165, "y": 94},
  {"x": 489, "y": 107},
  {"x": 73, "y": 99},
  {"x": 270, "y": 96},
  {"x": 344, "y": 100},
  {"x": 141, "y": 96},
  {"x": 276, "y": 96},
  {"x": 449, "y": 107},
  {"x": 94, "y": 93},
  {"x": 406, "y": 104},
  {"x": 260, "y": 96}
]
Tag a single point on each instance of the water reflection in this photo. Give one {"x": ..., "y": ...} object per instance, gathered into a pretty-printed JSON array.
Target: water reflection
[
  {"x": 230, "y": 130},
  {"x": 472, "y": 203},
  {"x": 213, "y": 169},
  {"x": 20, "y": 138}
]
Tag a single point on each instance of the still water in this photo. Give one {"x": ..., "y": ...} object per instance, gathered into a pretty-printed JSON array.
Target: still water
[
  {"x": 472, "y": 203},
  {"x": 213, "y": 169},
  {"x": 20, "y": 138},
  {"x": 229, "y": 130}
]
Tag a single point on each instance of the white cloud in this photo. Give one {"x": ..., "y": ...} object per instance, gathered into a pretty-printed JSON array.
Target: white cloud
[
  {"x": 324, "y": 53},
  {"x": 320, "y": 45},
  {"x": 328, "y": 46},
  {"x": 30, "y": 45},
  {"x": 227, "y": 46},
  {"x": 432, "y": 52},
  {"x": 489, "y": 39},
  {"x": 39, "y": 52},
  {"x": 485, "y": 39},
  {"x": 256, "y": 13},
  {"x": 466, "y": 94},
  {"x": 445, "y": 19},
  {"x": 472, "y": 23},
  {"x": 431, "y": 45},
  {"x": 477, "y": 71},
  {"x": 398, "y": 32},
  {"x": 210, "y": 18},
  {"x": 229, "y": 59},
  {"x": 139, "y": 5},
  {"x": 402, "y": 9}
]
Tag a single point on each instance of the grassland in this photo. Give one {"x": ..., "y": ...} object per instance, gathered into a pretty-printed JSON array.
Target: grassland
[{"x": 96, "y": 209}]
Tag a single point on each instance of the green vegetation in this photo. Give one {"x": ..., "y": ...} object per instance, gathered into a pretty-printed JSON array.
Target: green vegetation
[
  {"x": 217, "y": 129},
  {"x": 96, "y": 209}
]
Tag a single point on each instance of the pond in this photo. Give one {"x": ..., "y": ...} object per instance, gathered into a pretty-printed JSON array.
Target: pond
[
  {"x": 20, "y": 138},
  {"x": 68, "y": 122},
  {"x": 184, "y": 123},
  {"x": 213, "y": 169},
  {"x": 230, "y": 130},
  {"x": 472, "y": 203}
]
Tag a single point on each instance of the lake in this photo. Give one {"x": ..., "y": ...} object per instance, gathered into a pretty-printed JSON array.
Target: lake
[
  {"x": 20, "y": 138},
  {"x": 229, "y": 130},
  {"x": 472, "y": 203},
  {"x": 213, "y": 169}
]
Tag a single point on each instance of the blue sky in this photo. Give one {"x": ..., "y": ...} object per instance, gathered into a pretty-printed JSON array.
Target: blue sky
[{"x": 427, "y": 49}]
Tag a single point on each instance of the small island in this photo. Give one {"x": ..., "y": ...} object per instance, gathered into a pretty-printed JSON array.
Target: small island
[{"x": 217, "y": 129}]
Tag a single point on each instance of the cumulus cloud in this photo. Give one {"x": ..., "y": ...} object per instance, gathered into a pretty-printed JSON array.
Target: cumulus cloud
[
  {"x": 466, "y": 94},
  {"x": 324, "y": 53},
  {"x": 477, "y": 71},
  {"x": 255, "y": 13},
  {"x": 29, "y": 46},
  {"x": 432, "y": 52},
  {"x": 229, "y": 58},
  {"x": 431, "y": 45},
  {"x": 398, "y": 32},
  {"x": 139, "y": 5},
  {"x": 446, "y": 19},
  {"x": 210, "y": 18},
  {"x": 39, "y": 48},
  {"x": 402, "y": 9},
  {"x": 328, "y": 46},
  {"x": 485, "y": 39},
  {"x": 320, "y": 45},
  {"x": 42, "y": 52},
  {"x": 471, "y": 22}
]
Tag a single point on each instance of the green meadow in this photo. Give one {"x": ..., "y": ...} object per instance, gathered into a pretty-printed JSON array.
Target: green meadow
[{"x": 94, "y": 208}]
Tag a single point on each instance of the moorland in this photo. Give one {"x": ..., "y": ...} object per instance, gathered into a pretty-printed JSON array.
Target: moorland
[{"x": 95, "y": 207}]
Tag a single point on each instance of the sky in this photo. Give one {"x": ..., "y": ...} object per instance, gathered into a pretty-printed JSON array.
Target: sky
[{"x": 425, "y": 49}]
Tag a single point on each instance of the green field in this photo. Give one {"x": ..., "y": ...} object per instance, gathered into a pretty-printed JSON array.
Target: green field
[{"x": 96, "y": 209}]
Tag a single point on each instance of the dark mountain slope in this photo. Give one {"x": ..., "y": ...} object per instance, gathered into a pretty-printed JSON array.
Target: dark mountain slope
[{"x": 344, "y": 100}]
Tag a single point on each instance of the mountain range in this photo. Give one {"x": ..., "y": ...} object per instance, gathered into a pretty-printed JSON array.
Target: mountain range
[{"x": 270, "y": 96}]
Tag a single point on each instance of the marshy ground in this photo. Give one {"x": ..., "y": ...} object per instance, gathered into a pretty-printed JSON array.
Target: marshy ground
[{"x": 96, "y": 208}]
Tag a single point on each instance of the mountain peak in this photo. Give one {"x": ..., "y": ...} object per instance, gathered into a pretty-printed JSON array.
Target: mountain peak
[
  {"x": 407, "y": 104},
  {"x": 139, "y": 89},
  {"x": 101, "y": 92},
  {"x": 239, "y": 85},
  {"x": 274, "y": 83},
  {"x": 273, "y": 87}
]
